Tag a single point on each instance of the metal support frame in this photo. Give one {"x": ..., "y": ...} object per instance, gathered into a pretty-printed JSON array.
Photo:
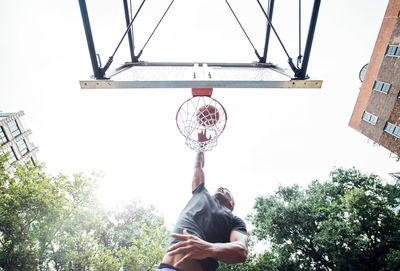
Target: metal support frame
[
  {"x": 98, "y": 71},
  {"x": 89, "y": 38},
  {"x": 130, "y": 32},
  {"x": 270, "y": 13},
  {"x": 302, "y": 73},
  {"x": 299, "y": 73}
]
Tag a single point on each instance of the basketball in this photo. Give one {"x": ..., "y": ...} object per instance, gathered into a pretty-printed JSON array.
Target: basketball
[{"x": 207, "y": 115}]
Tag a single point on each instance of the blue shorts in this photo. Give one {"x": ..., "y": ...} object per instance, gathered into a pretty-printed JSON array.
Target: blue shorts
[{"x": 166, "y": 267}]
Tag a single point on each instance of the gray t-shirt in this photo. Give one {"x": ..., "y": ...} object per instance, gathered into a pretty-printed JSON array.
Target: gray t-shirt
[{"x": 207, "y": 219}]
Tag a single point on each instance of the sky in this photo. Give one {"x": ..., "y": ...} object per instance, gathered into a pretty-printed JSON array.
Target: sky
[{"x": 273, "y": 136}]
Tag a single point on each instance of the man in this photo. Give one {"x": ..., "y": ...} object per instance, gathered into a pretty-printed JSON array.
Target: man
[{"x": 206, "y": 230}]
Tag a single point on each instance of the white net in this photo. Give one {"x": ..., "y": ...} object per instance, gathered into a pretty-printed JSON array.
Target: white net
[{"x": 201, "y": 114}]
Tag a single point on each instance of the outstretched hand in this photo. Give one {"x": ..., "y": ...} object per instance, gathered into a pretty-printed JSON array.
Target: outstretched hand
[
  {"x": 191, "y": 246},
  {"x": 202, "y": 136}
]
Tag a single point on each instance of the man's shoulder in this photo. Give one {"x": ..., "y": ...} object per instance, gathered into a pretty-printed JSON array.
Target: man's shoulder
[
  {"x": 238, "y": 224},
  {"x": 200, "y": 189}
]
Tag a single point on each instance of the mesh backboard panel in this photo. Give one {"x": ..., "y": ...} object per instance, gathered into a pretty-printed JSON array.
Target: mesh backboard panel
[{"x": 192, "y": 75}]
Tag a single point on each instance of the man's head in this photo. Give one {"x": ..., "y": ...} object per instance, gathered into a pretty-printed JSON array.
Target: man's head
[{"x": 225, "y": 198}]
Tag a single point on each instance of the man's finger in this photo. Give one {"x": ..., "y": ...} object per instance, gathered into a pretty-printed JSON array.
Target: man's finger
[
  {"x": 184, "y": 236},
  {"x": 178, "y": 250},
  {"x": 178, "y": 245},
  {"x": 181, "y": 237}
]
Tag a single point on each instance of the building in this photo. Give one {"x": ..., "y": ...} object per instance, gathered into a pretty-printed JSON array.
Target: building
[
  {"x": 376, "y": 113},
  {"x": 14, "y": 139}
]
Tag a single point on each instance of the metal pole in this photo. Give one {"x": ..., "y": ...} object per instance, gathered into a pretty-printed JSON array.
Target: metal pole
[
  {"x": 270, "y": 13},
  {"x": 89, "y": 39},
  {"x": 310, "y": 37},
  {"x": 130, "y": 36}
]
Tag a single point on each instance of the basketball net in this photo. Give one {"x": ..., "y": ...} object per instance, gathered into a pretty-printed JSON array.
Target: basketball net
[{"x": 201, "y": 114}]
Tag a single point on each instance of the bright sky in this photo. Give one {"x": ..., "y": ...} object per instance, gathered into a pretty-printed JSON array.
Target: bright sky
[{"x": 273, "y": 136}]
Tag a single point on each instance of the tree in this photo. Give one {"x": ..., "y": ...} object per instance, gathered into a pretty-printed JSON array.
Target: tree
[
  {"x": 124, "y": 224},
  {"x": 346, "y": 223},
  {"x": 74, "y": 243},
  {"x": 56, "y": 223},
  {"x": 131, "y": 237},
  {"x": 265, "y": 262},
  {"x": 28, "y": 198},
  {"x": 254, "y": 262},
  {"x": 146, "y": 251}
]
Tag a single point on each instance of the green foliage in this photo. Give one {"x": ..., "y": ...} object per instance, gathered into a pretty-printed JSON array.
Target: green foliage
[
  {"x": 393, "y": 260},
  {"x": 56, "y": 223},
  {"x": 106, "y": 259},
  {"x": 246, "y": 266},
  {"x": 28, "y": 201},
  {"x": 146, "y": 251},
  {"x": 262, "y": 262},
  {"x": 347, "y": 223}
]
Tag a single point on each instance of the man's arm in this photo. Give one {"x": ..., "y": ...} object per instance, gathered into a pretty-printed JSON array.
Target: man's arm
[
  {"x": 198, "y": 177},
  {"x": 196, "y": 249}
]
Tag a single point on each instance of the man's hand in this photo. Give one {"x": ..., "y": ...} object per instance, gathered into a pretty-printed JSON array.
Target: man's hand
[
  {"x": 202, "y": 136},
  {"x": 191, "y": 246}
]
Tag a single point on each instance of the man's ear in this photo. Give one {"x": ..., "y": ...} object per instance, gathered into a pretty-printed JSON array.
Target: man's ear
[{"x": 232, "y": 204}]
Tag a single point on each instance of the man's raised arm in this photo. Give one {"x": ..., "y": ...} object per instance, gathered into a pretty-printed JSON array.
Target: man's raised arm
[{"x": 198, "y": 177}]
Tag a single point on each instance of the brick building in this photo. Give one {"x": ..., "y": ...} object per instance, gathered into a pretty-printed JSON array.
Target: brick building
[
  {"x": 14, "y": 139},
  {"x": 376, "y": 113}
]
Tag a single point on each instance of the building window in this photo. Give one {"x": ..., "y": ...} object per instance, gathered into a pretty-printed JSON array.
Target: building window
[
  {"x": 12, "y": 157},
  {"x": 392, "y": 129},
  {"x": 23, "y": 148},
  {"x": 368, "y": 117},
  {"x": 381, "y": 86},
  {"x": 14, "y": 129},
  {"x": 393, "y": 50},
  {"x": 363, "y": 72},
  {"x": 3, "y": 137}
]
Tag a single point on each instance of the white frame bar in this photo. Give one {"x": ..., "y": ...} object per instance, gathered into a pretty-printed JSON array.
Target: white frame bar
[{"x": 277, "y": 80}]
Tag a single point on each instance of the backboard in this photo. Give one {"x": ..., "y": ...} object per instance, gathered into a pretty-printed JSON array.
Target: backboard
[
  {"x": 198, "y": 75},
  {"x": 260, "y": 74}
]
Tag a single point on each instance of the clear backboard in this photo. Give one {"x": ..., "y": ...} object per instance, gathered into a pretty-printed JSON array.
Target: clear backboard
[
  {"x": 259, "y": 74},
  {"x": 198, "y": 75}
]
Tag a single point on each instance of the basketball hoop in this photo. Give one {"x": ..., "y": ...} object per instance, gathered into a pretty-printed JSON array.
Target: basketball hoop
[{"x": 201, "y": 114}]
